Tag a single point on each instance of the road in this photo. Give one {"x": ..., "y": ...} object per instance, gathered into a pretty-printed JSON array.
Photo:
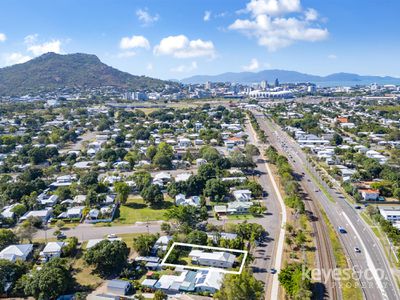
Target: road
[
  {"x": 374, "y": 272},
  {"x": 86, "y": 232},
  {"x": 269, "y": 254}
]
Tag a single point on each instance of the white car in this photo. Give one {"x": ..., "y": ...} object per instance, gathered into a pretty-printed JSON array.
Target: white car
[
  {"x": 112, "y": 236},
  {"x": 357, "y": 250}
]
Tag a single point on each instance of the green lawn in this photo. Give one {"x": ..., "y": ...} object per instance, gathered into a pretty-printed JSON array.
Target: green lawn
[
  {"x": 241, "y": 217},
  {"x": 135, "y": 210}
]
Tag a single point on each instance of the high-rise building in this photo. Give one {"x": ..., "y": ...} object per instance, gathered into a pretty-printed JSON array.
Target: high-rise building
[
  {"x": 264, "y": 84},
  {"x": 276, "y": 82},
  {"x": 208, "y": 85}
]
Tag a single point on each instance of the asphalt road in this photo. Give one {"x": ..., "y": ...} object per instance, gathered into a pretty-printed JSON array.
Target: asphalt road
[
  {"x": 86, "y": 232},
  {"x": 375, "y": 276},
  {"x": 265, "y": 253}
]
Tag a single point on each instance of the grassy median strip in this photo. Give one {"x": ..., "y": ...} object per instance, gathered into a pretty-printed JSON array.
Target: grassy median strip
[
  {"x": 322, "y": 188},
  {"x": 350, "y": 287}
]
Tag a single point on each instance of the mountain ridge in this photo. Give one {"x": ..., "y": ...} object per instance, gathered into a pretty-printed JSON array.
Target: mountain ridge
[
  {"x": 289, "y": 77},
  {"x": 51, "y": 71}
]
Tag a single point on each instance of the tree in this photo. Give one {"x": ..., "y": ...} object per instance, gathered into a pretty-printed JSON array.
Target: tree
[
  {"x": 142, "y": 179},
  {"x": 122, "y": 190},
  {"x": 152, "y": 195},
  {"x": 215, "y": 189},
  {"x": 185, "y": 215},
  {"x": 70, "y": 247},
  {"x": 19, "y": 209},
  {"x": 89, "y": 178},
  {"x": 107, "y": 257},
  {"x": 160, "y": 295},
  {"x": 243, "y": 286},
  {"x": 52, "y": 280},
  {"x": 337, "y": 139},
  {"x": 163, "y": 157},
  {"x": 7, "y": 237},
  {"x": 144, "y": 243},
  {"x": 26, "y": 230},
  {"x": 295, "y": 279},
  {"x": 396, "y": 193},
  {"x": 206, "y": 171},
  {"x": 197, "y": 237},
  {"x": 10, "y": 272},
  {"x": 151, "y": 152}
]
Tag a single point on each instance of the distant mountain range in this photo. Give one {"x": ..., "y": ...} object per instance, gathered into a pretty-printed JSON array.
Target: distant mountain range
[
  {"x": 51, "y": 71},
  {"x": 292, "y": 77}
]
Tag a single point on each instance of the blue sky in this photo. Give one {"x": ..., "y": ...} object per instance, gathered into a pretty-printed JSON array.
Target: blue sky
[{"x": 178, "y": 38}]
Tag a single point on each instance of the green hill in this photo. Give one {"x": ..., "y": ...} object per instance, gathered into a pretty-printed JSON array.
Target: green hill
[{"x": 51, "y": 71}]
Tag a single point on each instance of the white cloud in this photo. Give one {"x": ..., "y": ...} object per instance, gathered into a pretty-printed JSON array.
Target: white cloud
[
  {"x": 268, "y": 24},
  {"x": 126, "y": 54},
  {"x": 136, "y": 41},
  {"x": 31, "y": 39},
  {"x": 252, "y": 66},
  {"x": 15, "y": 58},
  {"x": 145, "y": 17},
  {"x": 273, "y": 7},
  {"x": 184, "y": 68},
  {"x": 311, "y": 14},
  {"x": 150, "y": 67},
  {"x": 207, "y": 16},
  {"x": 332, "y": 56},
  {"x": 52, "y": 46},
  {"x": 3, "y": 37},
  {"x": 181, "y": 47}
]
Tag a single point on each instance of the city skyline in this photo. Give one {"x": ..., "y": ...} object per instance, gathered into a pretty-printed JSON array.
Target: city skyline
[{"x": 167, "y": 41}]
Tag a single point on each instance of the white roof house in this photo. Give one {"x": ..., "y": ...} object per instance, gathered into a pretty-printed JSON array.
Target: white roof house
[
  {"x": 43, "y": 214},
  {"x": 181, "y": 199},
  {"x": 208, "y": 281},
  {"x": 182, "y": 177},
  {"x": 242, "y": 195},
  {"x": 16, "y": 252},
  {"x": 94, "y": 242},
  {"x": 212, "y": 259},
  {"x": 52, "y": 249},
  {"x": 391, "y": 214},
  {"x": 162, "y": 243}
]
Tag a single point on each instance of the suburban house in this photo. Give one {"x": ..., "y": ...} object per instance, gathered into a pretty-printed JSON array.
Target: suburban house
[
  {"x": 369, "y": 194},
  {"x": 391, "y": 214},
  {"x": 16, "y": 252},
  {"x": 188, "y": 281},
  {"x": 118, "y": 287},
  {"x": 73, "y": 213},
  {"x": 212, "y": 259},
  {"x": 162, "y": 243},
  {"x": 181, "y": 199},
  {"x": 52, "y": 249},
  {"x": 242, "y": 195},
  {"x": 43, "y": 214},
  {"x": 239, "y": 207}
]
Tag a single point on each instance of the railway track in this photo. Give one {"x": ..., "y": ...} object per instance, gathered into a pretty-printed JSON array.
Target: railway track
[
  {"x": 324, "y": 251},
  {"x": 326, "y": 259}
]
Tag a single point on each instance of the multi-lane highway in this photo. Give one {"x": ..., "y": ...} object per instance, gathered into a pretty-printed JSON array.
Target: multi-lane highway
[{"x": 372, "y": 268}]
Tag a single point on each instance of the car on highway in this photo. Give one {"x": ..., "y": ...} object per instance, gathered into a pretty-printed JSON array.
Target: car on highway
[
  {"x": 341, "y": 229},
  {"x": 357, "y": 250},
  {"x": 112, "y": 236}
]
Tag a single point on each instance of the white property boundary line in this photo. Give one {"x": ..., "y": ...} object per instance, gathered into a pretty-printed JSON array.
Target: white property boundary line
[{"x": 163, "y": 263}]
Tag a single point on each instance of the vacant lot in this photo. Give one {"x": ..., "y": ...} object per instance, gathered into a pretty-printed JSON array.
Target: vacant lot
[{"x": 135, "y": 210}]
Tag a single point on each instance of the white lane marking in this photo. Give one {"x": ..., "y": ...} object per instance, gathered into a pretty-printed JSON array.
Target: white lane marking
[{"x": 370, "y": 263}]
